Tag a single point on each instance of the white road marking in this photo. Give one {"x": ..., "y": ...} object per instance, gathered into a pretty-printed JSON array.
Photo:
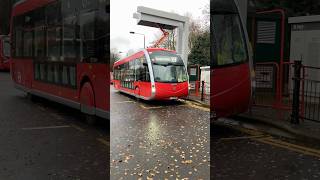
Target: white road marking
[
  {"x": 46, "y": 127},
  {"x": 103, "y": 141},
  {"x": 121, "y": 102},
  {"x": 78, "y": 128}
]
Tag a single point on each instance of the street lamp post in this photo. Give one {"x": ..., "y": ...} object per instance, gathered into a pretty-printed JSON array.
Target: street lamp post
[{"x": 144, "y": 38}]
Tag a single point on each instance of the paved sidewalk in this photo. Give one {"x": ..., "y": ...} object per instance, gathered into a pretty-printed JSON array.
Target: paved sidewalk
[
  {"x": 193, "y": 97},
  {"x": 305, "y": 130}
]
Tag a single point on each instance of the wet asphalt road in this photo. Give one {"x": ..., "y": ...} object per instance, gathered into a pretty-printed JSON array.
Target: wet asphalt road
[
  {"x": 238, "y": 154},
  {"x": 43, "y": 140},
  {"x": 159, "y": 140}
]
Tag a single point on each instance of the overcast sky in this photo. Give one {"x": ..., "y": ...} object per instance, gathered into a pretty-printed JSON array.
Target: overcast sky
[{"x": 122, "y": 21}]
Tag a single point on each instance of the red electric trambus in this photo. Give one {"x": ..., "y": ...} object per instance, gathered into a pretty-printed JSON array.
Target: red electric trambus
[
  {"x": 60, "y": 51},
  {"x": 4, "y": 53},
  {"x": 152, "y": 74},
  {"x": 232, "y": 73}
]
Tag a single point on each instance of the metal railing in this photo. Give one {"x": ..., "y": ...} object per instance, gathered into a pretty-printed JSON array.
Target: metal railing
[
  {"x": 298, "y": 92},
  {"x": 201, "y": 91}
]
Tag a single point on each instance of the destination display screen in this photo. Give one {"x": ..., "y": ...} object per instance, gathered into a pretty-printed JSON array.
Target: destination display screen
[{"x": 163, "y": 58}]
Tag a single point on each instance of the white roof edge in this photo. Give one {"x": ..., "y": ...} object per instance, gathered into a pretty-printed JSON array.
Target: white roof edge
[
  {"x": 304, "y": 19},
  {"x": 175, "y": 16},
  {"x": 19, "y": 2},
  {"x": 205, "y": 67}
]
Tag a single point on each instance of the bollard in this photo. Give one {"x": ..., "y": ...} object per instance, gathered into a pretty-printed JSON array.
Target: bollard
[
  {"x": 197, "y": 88},
  {"x": 202, "y": 90},
  {"x": 296, "y": 91}
]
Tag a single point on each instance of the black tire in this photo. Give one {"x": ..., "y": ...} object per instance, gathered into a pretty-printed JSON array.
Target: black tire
[
  {"x": 90, "y": 119},
  {"x": 32, "y": 97},
  {"x": 136, "y": 97}
]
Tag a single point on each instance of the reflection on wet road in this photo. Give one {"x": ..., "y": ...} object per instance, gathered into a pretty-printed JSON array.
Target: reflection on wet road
[{"x": 159, "y": 140}]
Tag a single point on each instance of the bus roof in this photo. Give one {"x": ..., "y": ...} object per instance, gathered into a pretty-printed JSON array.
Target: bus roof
[
  {"x": 24, "y": 6},
  {"x": 139, "y": 54}
]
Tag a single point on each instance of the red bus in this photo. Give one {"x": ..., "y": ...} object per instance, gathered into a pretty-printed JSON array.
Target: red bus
[
  {"x": 152, "y": 74},
  {"x": 4, "y": 53},
  {"x": 60, "y": 51},
  {"x": 232, "y": 69}
]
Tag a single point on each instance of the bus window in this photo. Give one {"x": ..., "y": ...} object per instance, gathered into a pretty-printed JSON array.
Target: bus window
[
  {"x": 54, "y": 43},
  {"x": 87, "y": 36},
  {"x": 229, "y": 40},
  {"x": 65, "y": 79},
  {"x": 43, "y": 72},
  {"x": 6, "y": 47},
  {"x": 27, "y": 43},
  {"x": 71, "y": 43},
  {"x": 142, "y": 70},
  {"x": 72, "y": 75},
  {"x": 54, "y": 29},
  {"x": 18, "y": 39},
  {"x": 39, "y": 42},
  {"x": 37, "y": 71},
  {"x": 53, "y": 14},
  {"x": 94, "y": 37},
  {"x": 56, "y": 73},
  {"x": 50, "y": 73},
  {"x": 39, "y": 33}
]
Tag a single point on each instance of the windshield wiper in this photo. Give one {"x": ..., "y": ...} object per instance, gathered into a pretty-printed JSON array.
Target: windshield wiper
[
  {"x": 159, "y": 64},
  {"x": 169, "y": 64}
]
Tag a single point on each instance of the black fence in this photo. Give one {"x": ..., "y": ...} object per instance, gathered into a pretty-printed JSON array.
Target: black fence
[{"x": 306, "y": 93}]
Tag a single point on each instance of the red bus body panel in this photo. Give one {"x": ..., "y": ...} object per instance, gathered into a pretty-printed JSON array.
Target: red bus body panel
[
  {"x": 165, "y": 91},
  {"x": 28, "y": 5},
  {"x": 231, "y": 90},
  {"x": 22, "y": 72},
  {"x": 99, "y": 75}
]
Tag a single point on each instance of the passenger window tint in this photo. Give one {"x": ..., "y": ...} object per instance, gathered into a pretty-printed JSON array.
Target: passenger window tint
[
  {"x": 27, "y": 43},
  {"x": 39, "y": 49},
  {"x": 54, "y": 43},
  {"x": 88, "y": 37},
  {"x": 65, "y": 79},
  {"x": 59, "y": 35},
  {"x": 71, "y": 41}
]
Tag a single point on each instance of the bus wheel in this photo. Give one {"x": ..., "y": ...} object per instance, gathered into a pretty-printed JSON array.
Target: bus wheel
[
  {"x": 32, "y": 97},
  {"x": 87, "y": 103},
  {"x": 90, "y": 119},
  {"x": 137, "y": 93}
]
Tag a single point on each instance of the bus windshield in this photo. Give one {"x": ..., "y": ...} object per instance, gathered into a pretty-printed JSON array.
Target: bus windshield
[
  {"x": 168, "y": 67},
  {"x": 229, "y": 40}
]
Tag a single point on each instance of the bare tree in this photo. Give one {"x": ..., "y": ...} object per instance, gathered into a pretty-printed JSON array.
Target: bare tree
[{"x": 115, "y": 56}]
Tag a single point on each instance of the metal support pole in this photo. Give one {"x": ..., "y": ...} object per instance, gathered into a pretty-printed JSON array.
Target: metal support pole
[
  {"x": 296, "y": 93},
  {"x": 202, "y": 90}
]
